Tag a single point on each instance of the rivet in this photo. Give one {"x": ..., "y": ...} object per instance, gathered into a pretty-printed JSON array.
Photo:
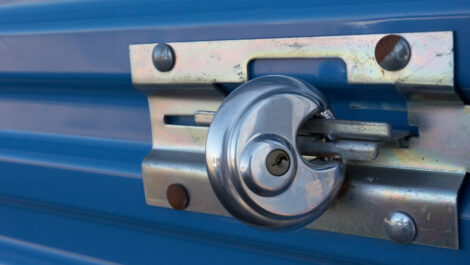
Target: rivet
[
  {"x": 400, "y": 227},
  {"x": 163, "y": 57},
  {"x": 177, "y": 196},
  {"x": 392, "y": 52}
]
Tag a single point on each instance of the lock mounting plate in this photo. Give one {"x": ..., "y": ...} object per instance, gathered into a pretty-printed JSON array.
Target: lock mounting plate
[{"x": 422, "y": 180}]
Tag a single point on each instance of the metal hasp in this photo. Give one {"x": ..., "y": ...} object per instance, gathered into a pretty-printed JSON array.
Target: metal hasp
[{"x": 421, "y": 181}]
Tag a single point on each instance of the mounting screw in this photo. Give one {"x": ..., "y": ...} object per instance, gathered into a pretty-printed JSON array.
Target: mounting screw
[
  {"x": 163, "y": 57},
  {"x": 177, "y": 196},
  {"x": 400, "y": 227},
  {"x": 392, "y": 52},
  {"x": 278, "y": 162}
]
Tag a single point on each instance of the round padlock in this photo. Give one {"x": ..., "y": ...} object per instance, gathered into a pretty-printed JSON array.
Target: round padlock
[{"x": 252, "y": 158}]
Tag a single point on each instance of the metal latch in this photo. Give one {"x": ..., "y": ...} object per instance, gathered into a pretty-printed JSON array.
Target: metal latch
[{"x": 272, "y": 154}]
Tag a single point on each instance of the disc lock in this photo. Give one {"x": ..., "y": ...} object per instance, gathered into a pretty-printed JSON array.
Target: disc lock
[{"x": 253, "y": 161}]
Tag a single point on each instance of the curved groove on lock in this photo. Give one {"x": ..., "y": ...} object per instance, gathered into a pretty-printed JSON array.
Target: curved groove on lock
[{"x": 252, "y": 158}]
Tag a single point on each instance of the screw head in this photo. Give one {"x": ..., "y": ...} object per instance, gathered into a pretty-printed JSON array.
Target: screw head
[
  {"x": 163, "y": 57},
  {"x": 392, "y": 52},
  {"x": 400, "y": 227},
  {"x": 177, "y": 196},
  {"x": 278, "y": 162}
]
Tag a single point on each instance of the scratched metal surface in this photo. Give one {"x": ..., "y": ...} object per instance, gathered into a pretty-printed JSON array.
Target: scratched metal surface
[
  {"x": 73, "y": 130},
  {"x": 227, "y": 61}
]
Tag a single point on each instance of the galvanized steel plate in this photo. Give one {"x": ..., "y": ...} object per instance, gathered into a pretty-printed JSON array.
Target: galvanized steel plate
[
  {"x": 206, "y": 62},
  {"x": 422, "y": 180}
]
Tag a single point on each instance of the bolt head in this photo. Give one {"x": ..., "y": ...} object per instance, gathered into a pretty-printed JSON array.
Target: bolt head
[
  {"x": 392, "y": 52},
  {"x": 400, "y": 227},
  {"x": 177, "y": 196},
  {"x": 163, "y": 57}
]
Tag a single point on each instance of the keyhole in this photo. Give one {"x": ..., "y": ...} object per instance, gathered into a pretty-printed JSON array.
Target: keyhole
[{"x": 278, "y": 162}]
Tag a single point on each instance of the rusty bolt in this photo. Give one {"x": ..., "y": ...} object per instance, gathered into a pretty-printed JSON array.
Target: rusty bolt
[
  {"x": 392, "y": 52},
  {"x": 177, "y": 196}
]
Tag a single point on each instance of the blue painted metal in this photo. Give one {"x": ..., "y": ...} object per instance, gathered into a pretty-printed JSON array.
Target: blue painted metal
[{"x": 73, "y": 130}]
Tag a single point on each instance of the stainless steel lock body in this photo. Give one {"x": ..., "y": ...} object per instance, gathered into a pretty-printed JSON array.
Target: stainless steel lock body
[
  {"x": 252, "y": 136},
  {"x": 244, "y": 154}
]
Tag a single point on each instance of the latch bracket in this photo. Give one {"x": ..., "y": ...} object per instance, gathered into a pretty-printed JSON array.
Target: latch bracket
[{"x": 422, "y": 180}]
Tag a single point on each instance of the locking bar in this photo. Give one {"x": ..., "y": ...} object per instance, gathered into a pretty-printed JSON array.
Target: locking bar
[
  {"x": 350, "y": 150},
  {"x": 359, "y": 130},
  {"x": 347, "y": 149},
  {"x": 203, "y": 118},
  {"x": 420, "y": 182}
]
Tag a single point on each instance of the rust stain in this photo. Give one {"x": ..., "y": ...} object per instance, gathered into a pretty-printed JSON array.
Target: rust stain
[
  {"x": 385, "y": 46},
  {"x": 344, "y": 189},
  {"x": 177, "y": 196}
]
